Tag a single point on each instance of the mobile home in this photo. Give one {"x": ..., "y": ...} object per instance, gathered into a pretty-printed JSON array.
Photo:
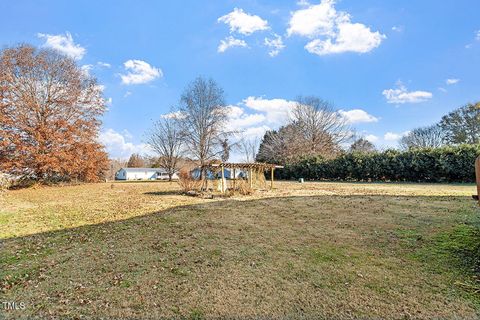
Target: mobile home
[{"x": 143, "y": 174}]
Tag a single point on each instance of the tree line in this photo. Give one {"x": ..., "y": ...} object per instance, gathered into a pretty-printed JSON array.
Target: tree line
[
  {"x": 443, "y": 152},
  {"x": 443, "y": 164},
  {"x": 50, "y": 116},
  {"x": 316, "y": 129},
  {"x": 459, "y": 126}
]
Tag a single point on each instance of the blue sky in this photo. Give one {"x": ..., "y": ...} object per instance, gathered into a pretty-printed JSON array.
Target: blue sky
[{"x": 389, "y": 65}]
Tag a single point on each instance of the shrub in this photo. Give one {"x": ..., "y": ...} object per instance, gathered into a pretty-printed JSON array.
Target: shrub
[
  {"x": 243, "y": 187},
  {"x": 5, "y": 181},
  {"x": 187, "y": 182},
  {"x": 446, "y": 164}
]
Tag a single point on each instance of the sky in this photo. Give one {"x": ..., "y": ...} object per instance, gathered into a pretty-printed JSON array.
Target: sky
[{"x": 387, "y": 66}]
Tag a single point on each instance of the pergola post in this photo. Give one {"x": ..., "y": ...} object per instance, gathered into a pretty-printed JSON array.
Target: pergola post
[
  {"x": 223, "y": 178},
  {"x": 271, "y": 177},
  {"x": 477, "y": 174},
  {"x": 234, "y": 179},
  {"x": 250, "y": 177}
]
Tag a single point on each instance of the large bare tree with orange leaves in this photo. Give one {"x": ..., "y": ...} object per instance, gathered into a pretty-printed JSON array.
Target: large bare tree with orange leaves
[{"x": 49, "y": 117}]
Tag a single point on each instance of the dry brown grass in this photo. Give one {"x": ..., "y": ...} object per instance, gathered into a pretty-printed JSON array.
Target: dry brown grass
[{"x": 314, "y": 250}]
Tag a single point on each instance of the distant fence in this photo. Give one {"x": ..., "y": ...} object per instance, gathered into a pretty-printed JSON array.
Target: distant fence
[{"x": 446, "y": 164}]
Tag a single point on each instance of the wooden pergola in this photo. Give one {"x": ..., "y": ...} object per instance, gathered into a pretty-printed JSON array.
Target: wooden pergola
[{"x": 250, "y": 167}]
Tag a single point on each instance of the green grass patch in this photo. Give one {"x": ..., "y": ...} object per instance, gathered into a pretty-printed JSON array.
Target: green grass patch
[
  {"x": 327, "y": 254},
  {"x": 456, "y": 253}
]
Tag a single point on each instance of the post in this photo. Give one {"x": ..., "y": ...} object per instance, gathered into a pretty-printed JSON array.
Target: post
[
  {"x": 477, "y": 174},
  {"x": 271, "y": 177},
  {"x": 250, "y": 177},
  {"x": 234, "y": 179},
  {"x": 223, "y": 177}
]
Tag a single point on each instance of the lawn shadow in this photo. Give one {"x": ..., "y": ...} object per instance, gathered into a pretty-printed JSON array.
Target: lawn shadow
[{"x": 224, "y": 258}]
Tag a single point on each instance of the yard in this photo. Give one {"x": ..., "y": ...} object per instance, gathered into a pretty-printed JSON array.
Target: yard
[{"x": 315, "y": 250}]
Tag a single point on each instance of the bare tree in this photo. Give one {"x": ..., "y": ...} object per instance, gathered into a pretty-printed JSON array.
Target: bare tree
[
  {"x": 282, "y": 146},
  {"x": 322, "y": 128},
  {"x": 136, "y": 161},
  {"x": 362, "y": 145},
  {"x": 425, "y": 137},
  {"x": 315, "y": 129},
  {"x": 49, "y": 117},
  {"x": 166, "y": 140},
  {"x": 113, "y": 166},
  {"x": 249, "y": 148},
  {"x": 203, "y": 120}
]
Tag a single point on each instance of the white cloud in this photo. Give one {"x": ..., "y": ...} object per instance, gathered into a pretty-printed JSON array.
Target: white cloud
[
  {"x": 392, "y": 136},
  {"x": 243, "y": 23},
  {"x": 64, "y": 44},
  {"x": 452, "y": 81},
  {"x": 442, "y": 89},
  {"x": 127, "y": 134},
  {"x": 248, "y": 120},
  {"x": 398, "y": 28},
  {"x": 139, "y": 72},
  {"x": 372, "y": 138},
  {"x": 303, "y": 3},
  {"x": 86, "y": 69},
  {"x": 401, "y": 95},
  {"x": 331, "y": 31},
  {"x": 104, "y": 64},
  {"x": 238, "y": 120},
  {"x": 128, "y": 93},
  {"x": 316, "y": 20},
  {"x": 351, "y": 37},
  {"x": 275, "y": 44},
  {"x": 230, "y": 42},
  {"x": 477, "y": 38},
  {"x": 117, "y": 145},
  {"x": 277, "y": 111},
  {"x": 256, "y": 132},
  {"x": 357, "y": 116},
  {"x": 235, "y": 111},
  {"x": 173, "y": 115}
]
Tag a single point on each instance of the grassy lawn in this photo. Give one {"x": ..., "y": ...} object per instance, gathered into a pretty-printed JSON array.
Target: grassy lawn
[{"x": 315, "y": 250}]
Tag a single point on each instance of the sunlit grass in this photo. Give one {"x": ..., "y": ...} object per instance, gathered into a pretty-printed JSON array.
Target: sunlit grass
[{"x": 313, "y": 249}]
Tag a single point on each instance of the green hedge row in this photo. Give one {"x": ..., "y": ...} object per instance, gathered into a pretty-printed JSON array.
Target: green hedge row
[{"x": 446, "y": 164}]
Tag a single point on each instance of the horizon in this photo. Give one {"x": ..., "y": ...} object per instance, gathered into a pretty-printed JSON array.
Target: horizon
[{"x": 388, "y": 67}]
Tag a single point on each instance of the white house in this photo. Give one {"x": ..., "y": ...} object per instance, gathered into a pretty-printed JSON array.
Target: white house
[{"x": 143, "y": 174}]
